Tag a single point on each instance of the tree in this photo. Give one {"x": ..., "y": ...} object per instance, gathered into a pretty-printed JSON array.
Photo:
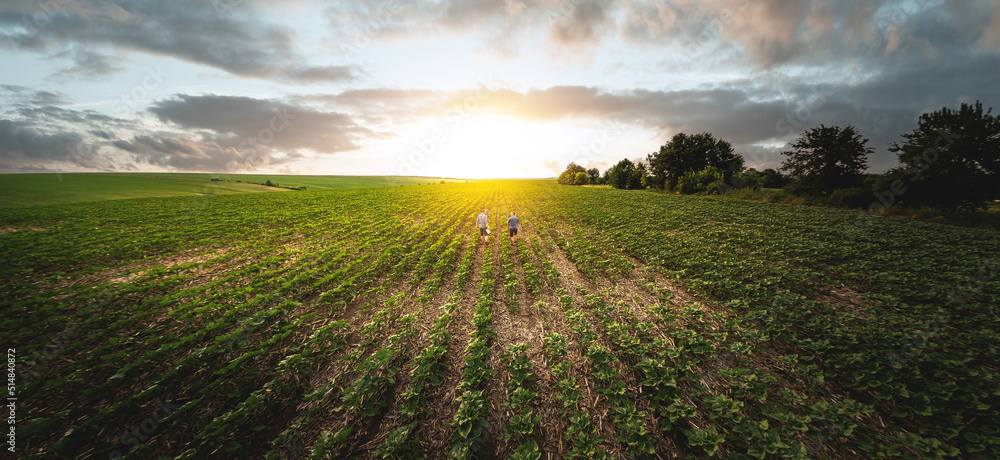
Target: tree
[
  {"x": 952, "y": 159},
  {"x": 825, "y": 159},
  {"x": 568, "y": 177},
  {"x": 771, "y": 178},
  {"x": 617, "y": 175},
  {"x": 581, "y": 179},
  {"x": 691, "y": 153},
  {"x": 751, "y": 179},
  {"x": 625, "y": 175},
  {"x": 640, "y": 178},
  {"x": 594, "y": 175}
]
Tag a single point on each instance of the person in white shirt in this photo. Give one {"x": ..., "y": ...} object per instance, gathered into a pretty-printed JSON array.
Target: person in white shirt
[{"x": 484, "y": 223}]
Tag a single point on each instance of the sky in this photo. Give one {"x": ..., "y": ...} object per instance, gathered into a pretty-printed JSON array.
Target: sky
[{"x": 469, "y": 88}]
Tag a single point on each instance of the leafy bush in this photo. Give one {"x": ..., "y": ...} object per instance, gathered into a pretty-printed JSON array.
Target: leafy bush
[
  {"x": 707, "y": 180},
  {"x": 854, "y": 197},
  {"x": 750, "y": 179},
  {"x": 771, "y": 178}
]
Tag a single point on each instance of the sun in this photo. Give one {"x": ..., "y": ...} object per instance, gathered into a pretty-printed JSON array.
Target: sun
[{"x": 491, "y": 146}]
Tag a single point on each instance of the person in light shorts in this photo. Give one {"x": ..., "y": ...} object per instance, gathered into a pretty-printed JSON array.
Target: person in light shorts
[{"x": 484, "y": 223}]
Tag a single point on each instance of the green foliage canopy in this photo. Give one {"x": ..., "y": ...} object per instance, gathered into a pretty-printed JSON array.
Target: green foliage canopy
[
  {"x": 826, "y": 158},
  {"x": 691, "y": 153},
  {"x": 705, "y": 181},
  {"x": 625, "y": 175},
  {"x": 568, "y": 177},
  {"x": 952, "y": 158}
]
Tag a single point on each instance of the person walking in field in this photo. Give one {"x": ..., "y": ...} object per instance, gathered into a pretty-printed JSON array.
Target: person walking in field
[
  {"x": 484, "y": 223},
  {"x": 513, "y": 223}
]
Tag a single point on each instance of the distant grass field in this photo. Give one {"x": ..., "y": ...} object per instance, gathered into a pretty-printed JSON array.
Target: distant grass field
[
  {"x": 33, "y": 189},
  {"x": 332, "y": 182}
]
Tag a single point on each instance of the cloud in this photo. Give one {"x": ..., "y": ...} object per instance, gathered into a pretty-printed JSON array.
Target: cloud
[
  {"x": 991, "y": 34},
  {"x": 195, "y": 31},
  {"x": 318, "y": 74},
  {"x": 271, "y": 124},
  {"x": 195, "y": 133},
  {"x": 57, "y": 115},
  {"x": 873, "y": 64},
  {"x": 376, "y": 98},
  {"x": 20, "y": 96},
  {"x": 500, "y": 26},
  {"x": 764, "y": 34},
  {"x": 184, "y": 154},
  {"x": 732, "y": 110},
  {"x": 760, "y": 116},
  {"x": 773, "y": 34},
  {"x": 39, "y": 133},
  {"x": 649, "y": 22},
  {"x": 87, "y": 65},
  {"x": 555, "y": 166},
  {"x": 218, "y": 133},
  {"x": 583, "y": 25},
  {"x": 241, "y": 38},
  {"x": 513, "y": 7},
  {"x": 102, "y": 134},
  {"x": 23, "y": 146}
]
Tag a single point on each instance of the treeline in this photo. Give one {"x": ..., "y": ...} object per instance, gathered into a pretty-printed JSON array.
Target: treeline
[{"x": 950, "y": 161}]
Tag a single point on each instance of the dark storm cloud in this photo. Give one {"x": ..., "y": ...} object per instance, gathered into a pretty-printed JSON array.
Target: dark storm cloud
[{"x": 192, "y": 30}]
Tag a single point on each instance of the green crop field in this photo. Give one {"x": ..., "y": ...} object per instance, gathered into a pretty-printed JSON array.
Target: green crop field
[
  {"x": 33, "y": 189},
  {"x": 372, "y": 323}
]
